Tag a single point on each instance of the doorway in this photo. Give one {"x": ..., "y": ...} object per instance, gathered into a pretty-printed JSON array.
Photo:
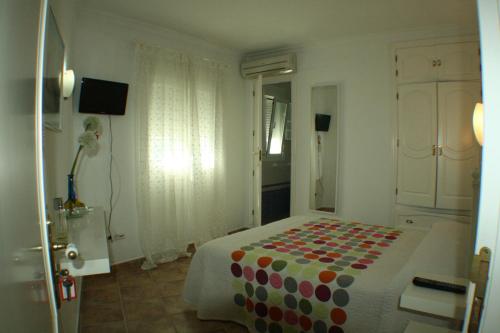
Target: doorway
[{"x": 276, "y": 151}]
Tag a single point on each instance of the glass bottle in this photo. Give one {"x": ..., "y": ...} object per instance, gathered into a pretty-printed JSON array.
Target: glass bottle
[{"x": 60, "y": 230}]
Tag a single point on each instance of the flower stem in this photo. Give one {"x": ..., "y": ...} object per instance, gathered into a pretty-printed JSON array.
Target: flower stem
[
  {"x": 77, "y": 155},
  {"x": 76, "y": 159}
]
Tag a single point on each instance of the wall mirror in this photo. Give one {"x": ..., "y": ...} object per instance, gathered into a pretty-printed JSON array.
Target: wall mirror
[
  {"x": 324, "y": 148},
  {"x": 53, "y": 73}
]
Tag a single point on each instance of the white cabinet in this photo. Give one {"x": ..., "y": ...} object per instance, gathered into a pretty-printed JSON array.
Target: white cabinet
[
  {"x": 417, "y": 125},
  {"x": 437, "y": 152},
  {"x": 458, "y": 151},
  {"x": 444, "y": 62},
  {"x": 416, "y": 64}
]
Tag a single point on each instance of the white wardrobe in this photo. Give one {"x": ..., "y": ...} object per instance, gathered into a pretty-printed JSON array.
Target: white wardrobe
[{"x": 437, "y": 89}]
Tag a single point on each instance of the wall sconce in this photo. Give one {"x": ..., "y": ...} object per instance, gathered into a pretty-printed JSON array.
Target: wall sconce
[
  {"x": 68, "y": 83},
  {"x": 478, "y": 123}
]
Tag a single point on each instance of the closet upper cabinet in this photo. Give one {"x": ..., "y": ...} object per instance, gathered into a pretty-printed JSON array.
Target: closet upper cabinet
[
  {"x": 444, "y": 62},
  {"x": 416, "y": 64}
]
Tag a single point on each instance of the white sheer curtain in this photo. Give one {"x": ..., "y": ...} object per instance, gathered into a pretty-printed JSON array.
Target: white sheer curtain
[{"x": 180, "y": 157}]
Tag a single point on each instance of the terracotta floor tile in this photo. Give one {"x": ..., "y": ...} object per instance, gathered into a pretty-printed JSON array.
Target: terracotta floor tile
[
  {"x": 111, "y": 294},
  {"x": 141, "y": 292},
  {"x": 173, "y": 288},
  {"x": 132, "y": 300},
  {"x": 116, "y": 327},
  {"x": 175, "y": 305},
  {"x": 170, "y": 274},
  {"x": 159, "y": 326},
  {"x": 151, "y": 309},
  {"x": 101, "y": 313},
  {"x": 130, "y": 279},
  {"x": 100, "y": 281}
]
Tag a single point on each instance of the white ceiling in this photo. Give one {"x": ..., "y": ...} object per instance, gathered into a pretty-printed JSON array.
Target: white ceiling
[{"x": 248, "y": 25}]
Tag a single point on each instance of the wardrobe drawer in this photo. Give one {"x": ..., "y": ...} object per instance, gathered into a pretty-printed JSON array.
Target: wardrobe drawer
[{"x": 423, "y": 222}]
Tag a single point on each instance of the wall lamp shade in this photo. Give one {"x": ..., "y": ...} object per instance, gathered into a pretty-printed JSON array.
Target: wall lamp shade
[
  {"x": 478, "y": 122},
  {"x": 68, "y": 83}
]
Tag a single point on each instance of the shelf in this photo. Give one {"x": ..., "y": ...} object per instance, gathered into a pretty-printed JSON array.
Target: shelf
[
  {"x": 88, "y": 233},
  {"x": 435, "y": 302}
]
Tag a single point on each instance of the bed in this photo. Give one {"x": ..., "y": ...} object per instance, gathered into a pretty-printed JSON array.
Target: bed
[{"x": 305, "y": 274}]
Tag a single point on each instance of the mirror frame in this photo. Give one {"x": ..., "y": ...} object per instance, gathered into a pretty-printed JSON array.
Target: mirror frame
[{"x": 312, "y": 132}]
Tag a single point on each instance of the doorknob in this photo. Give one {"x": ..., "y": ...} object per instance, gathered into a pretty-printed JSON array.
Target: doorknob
[{"x": 70, "y": 250}]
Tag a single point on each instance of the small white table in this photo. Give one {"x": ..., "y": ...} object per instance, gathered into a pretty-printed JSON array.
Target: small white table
[
  {"x": 88, "y": 233},
  {"x": 435, "y": 302}
]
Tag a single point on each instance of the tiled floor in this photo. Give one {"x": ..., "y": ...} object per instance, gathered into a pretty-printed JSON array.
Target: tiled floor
[{"x": 132, "y": 300}]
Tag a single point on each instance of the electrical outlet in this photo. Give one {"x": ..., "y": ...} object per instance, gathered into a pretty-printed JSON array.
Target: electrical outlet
[{"x": 117, "y": 237}]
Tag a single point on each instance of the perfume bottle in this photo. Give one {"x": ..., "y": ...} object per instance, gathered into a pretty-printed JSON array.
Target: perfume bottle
[{"x": 60, "y": 233}]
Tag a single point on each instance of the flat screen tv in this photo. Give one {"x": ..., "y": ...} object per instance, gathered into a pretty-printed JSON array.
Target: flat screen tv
[
  {"x": 322, "y": 122},
  {"x": 103, "y": 97}
]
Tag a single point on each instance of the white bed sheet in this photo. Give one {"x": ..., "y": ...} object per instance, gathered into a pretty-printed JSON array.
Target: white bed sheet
[{"x": 374, "y": 302}]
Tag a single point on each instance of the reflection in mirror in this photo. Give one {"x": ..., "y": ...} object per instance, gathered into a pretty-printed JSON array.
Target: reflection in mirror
[
  {"x": 324, "y": 108},
  {"x": 53, "y": 69}
]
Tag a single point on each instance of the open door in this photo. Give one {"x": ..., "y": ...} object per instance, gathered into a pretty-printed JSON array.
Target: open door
[
  {"x": 257, "y": 151},
  {"x": 27, "y": 303}
]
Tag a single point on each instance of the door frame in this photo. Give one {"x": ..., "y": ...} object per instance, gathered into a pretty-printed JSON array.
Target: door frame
[{"x": 257, "y": 166}]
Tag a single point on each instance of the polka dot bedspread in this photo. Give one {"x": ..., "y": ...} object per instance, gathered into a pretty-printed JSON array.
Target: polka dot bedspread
[{"x": 306, "y": 275}]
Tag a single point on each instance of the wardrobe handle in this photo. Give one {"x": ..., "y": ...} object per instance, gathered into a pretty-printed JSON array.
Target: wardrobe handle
[
  {"x": 439, "y": 62},
  {"x": 434, "y": 148},
  {"x": 440, "y": 150},
  {"x": 434, "y": 63}
]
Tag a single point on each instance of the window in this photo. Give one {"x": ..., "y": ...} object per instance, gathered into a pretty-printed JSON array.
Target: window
[{"x": 275, "y": 123}]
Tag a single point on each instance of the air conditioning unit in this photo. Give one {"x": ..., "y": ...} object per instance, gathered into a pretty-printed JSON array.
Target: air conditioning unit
[{"x": 272, "y": 65}]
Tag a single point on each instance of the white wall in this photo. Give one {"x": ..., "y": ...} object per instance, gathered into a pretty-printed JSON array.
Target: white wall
[
  {"x": 104, "y": 49},
  {"x": 362, "y": 66}
]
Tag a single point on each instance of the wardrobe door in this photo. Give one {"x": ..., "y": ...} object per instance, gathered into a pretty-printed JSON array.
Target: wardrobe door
[
  {"x": 460, "y": 61},
  {"x": 458, "y": 153},
  {"x": 416, "y": 64},
  {"x": 417, "y": 136}
]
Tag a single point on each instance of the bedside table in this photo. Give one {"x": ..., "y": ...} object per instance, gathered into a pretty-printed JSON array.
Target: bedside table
[{"x": 435, "y": 302}]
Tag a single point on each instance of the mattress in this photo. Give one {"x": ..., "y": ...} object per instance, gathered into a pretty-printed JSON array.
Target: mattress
[{"x": 305, "y": 274}]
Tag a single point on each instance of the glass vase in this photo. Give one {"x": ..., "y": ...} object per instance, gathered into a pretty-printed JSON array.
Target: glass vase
[{"x": 73, "y": 206}]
